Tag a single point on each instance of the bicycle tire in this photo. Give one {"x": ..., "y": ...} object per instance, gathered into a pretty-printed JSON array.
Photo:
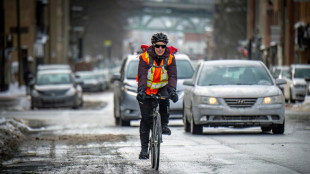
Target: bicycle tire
[
  {"x": 158, "y": 133},
  {"x": 152, "y": 148}
]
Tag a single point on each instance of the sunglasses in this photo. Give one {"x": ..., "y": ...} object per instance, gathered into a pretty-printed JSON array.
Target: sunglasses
[{"x": 162, "y": 46}]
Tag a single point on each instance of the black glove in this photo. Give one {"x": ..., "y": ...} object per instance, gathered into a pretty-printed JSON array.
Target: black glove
[
  {"x": 172, "y": 94},
  {"x": 141, "y": 93}
]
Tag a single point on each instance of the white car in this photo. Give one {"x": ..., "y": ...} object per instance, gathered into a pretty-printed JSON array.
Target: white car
[
  {"x": 297, "y": 87},
  {"x": 237, "y": 93}
]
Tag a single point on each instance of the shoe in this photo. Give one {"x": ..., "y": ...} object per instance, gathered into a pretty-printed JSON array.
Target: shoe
[
  {"x": 143, "y": 155},
  {"x": 166, "y": 130}
]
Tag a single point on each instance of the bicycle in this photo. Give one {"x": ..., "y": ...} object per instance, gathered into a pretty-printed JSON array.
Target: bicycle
[{"x": 156, "y": 135}]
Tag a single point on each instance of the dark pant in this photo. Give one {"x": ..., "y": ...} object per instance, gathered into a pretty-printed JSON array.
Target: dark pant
[{"x": 146, "y": 108}]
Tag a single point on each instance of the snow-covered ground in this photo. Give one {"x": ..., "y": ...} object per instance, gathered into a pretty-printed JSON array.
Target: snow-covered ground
[
  {"x": 14, "y": 99},
  {"x": 12, "y": 132},
  {"x": 14, "y": 90}
]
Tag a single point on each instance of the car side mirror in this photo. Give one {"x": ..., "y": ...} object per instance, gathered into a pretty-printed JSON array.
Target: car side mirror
[
  {"x": 79, "y": 82},
  {"x": 188, "y": 83},
  {"x": 280, "y": 82},
  {"x": 116, "y": 77}
]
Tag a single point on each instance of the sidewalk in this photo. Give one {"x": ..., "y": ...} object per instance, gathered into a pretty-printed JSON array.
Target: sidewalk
[{"x": 13, "y": 98}]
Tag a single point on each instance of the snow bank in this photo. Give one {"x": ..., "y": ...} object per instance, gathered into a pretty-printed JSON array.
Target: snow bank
[
  {"x": 11, "y": 134},
  {"x": 14, "y": 90}
]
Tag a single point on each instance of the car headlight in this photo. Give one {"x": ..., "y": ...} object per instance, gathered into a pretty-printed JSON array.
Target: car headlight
[
  {"x": 209, "y": 100},
  {"x": 130, "y": 89},
  {"x": 71, "y": 91},
  {"x": 272, "y": 99}
]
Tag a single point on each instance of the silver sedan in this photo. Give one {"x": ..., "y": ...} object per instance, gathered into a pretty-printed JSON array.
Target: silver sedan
[{"x": 233, "y": 93}]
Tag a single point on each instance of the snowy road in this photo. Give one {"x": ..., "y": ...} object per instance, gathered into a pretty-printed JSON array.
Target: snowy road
[{"x": 87, "y": 141}]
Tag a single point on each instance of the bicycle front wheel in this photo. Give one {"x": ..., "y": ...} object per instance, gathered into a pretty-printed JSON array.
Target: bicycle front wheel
[{"x": 157, "y": 140}]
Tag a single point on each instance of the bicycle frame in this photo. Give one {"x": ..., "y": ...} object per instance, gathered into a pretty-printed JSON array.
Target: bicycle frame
[{"x": 156, "y": 135}]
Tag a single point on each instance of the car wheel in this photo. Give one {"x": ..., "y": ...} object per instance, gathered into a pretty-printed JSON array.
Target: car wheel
[
  {"x": 195, "y": 129},
  {"x": 116, "y": 115},
  {"x": 291, "y": 97},
  {"x": 265, "y": 129},
  {"x": 187, "y": 127},
  {"x": 75, "y": 107},
  {"x": 278, "y": 128},
  {"x": 124, "y": 122},
  {"x": 82, "y": 103}
]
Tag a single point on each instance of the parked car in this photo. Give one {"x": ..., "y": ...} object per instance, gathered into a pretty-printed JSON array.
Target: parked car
[
  {"x": 56, "y": 88},
  {"x": 53, "y": 67},
  {"x": 280, "y": 72},
  {"x": 126, "y": 107},
  {"x": 104, "y": 80},
  {"x": 44, "y": 67},
  {"x": 237, "y": 93},
  {"x": 91, "y": 83},
  {"x": 297, "y": 87}
]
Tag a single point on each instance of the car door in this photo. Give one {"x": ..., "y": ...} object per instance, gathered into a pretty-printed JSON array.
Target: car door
[
  {"x": 118, "y": 89},
  {"x": 188, "y": 92}
]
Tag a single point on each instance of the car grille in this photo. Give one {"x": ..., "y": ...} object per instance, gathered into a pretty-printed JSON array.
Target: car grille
[
  {"x": 240, "y": 102},
  {"x": 243, "y": 118},
  {"x": 53, "y": 93}
]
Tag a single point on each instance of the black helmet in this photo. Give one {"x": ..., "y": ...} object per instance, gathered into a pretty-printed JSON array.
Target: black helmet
[{"x": 157, "y": 37}]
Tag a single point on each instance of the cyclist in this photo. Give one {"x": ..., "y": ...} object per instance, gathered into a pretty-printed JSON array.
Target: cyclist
[{"x": 157, "y": 74}]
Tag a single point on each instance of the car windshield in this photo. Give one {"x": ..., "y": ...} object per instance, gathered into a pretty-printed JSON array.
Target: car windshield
[
  {"x": 53, "y": 79},
  {"x": 184, "y": 69},
  {"x": 132, "y": 70},
  {"x": 86, "y": 76},
  {"x": 284, "y": 73},
  {"x": 276, "y": 73},
  {"x": 302, "y": 73},
  {"x": 280, "y": 73},
  {"x": 233, "y": 75}
]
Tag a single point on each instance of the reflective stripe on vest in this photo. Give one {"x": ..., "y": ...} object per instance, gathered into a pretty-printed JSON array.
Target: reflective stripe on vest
[{"x": 157, "y": 76}]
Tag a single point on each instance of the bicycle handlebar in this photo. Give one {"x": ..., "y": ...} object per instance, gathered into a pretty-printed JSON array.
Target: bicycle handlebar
[{"x": 158, "y": 97}]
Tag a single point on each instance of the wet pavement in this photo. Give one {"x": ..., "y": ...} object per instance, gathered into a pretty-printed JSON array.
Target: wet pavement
[{"x": 87, "y": 141}]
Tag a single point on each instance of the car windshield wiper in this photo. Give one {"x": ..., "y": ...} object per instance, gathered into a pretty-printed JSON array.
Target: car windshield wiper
[{"x": 245, "y": 84}]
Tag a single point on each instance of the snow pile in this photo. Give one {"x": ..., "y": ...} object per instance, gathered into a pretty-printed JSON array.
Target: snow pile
[
  {"x": 11, "y": 134},
  {"x": 14, "y": 99},
  {"x": 14, "y": 90},
  {"x": 304, "y": 106}
]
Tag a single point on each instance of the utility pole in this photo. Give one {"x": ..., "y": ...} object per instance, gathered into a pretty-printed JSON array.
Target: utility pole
[
  {"x": 20, "y": 61},
  {"x": 2, "y": 48}
]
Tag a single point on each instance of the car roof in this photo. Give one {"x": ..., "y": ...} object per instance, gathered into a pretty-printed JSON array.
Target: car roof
[
  {"x": 55, "y": 71},
  {"x": 54, "y": 66},
  {"x": 281, "y": 67},
  {"x": 300, "y": 65},
  {"x": 234, "y": 62}
]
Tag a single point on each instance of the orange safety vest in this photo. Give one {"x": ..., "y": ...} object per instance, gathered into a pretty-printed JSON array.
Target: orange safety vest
[{"x": 157, "y": 76}]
